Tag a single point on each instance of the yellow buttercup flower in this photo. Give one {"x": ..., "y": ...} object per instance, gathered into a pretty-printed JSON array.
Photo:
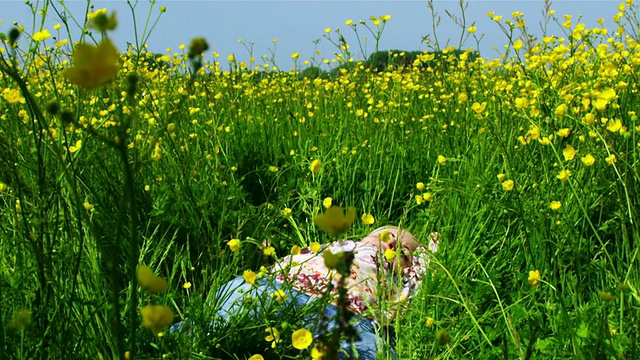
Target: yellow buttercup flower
[
  {"x": 561, "y": 110},
  {"x": 76, "y": 147},
  {"x": 274, "y": 336},
  {"x": 234, "y": 245},
  {"x": 327, "y": 202},
  {"x": 420, "y": 186},
  {"x": 156, "y": 317},
  {"x": 569, "y": 152},
  {"x": 517, "y": 45},
  {"x": 368, "y": 219},
  {"x": 555, "y": 205},
  {"x": 279, "y": 295},
  {"x": 268, "y": 251},
  {"x": 41, "y": 35},
  {"x": 93, "y": 66},
  {"x": 389, "y": 254},
  {"x": 334, "y": 221},
  {"x": 534, "y": 278},
  {"x": 385, "y": 236},
  {"x": 429, "y": 322},
  {"x": 13, "y": 96},
  {"x": 315, "y": 246},
  {"x": 149, "y": 281},
  {"x": 564, "y": 175},
  {"x": 301, "y": 339},
  {"x": 611, "y": 159},
  {"x": 508, "y": 185},
  {"x": 588, "y": 160},
  {"x": 315, "y": 166},
  {"x": 442, "y": 160},
  {"x": 317, "y": 352},
  {"x": 256, "y": 357},
  {"x": 479, "y": 108},
  {"x": 88, "y": 206},
  {"x": 249, "y": 276}
]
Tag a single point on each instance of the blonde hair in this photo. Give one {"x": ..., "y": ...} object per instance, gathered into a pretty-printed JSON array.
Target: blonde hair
[{"x": 397, "y": 232}]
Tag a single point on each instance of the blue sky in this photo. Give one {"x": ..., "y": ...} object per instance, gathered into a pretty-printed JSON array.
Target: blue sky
[{"x": 297, "y": 24}]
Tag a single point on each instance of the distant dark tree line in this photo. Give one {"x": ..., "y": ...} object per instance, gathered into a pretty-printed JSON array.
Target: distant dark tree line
[{"x": 393, "y": 59}]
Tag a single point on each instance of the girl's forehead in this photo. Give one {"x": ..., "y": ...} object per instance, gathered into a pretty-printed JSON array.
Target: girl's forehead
[{"x": 391, "y": 230}]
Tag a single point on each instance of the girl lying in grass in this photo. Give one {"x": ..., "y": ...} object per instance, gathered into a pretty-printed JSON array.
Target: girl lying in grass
[{"x": 387, "y": 268}]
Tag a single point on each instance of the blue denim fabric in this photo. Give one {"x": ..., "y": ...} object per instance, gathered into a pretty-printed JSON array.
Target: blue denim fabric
[{"x": 232, "y": 295}]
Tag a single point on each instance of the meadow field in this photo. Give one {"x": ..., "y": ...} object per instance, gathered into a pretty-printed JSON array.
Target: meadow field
[{"x": 121, "y": 168}]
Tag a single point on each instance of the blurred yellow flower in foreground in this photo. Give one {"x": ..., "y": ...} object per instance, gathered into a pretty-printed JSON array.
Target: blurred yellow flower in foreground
[
  {"x": 149, "y": 281},
  {"x": 301, "y": 339},
  {"x": 93, "y": 66},
  {"x": 334, "y": 221},
  {"x": 156, "y": 317},
  {"x": 256, "y": 357},
  {"x": 20, "y": 319},
  {"x": 606, "y": 296}
]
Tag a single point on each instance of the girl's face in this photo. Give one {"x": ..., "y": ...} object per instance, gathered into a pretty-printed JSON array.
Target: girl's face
[
  {"x": 404, "y": 245},
  {"x": 399, "y": 240}
]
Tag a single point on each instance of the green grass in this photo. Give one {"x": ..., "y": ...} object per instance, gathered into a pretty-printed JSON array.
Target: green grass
[{"x": 87, "y": 218}]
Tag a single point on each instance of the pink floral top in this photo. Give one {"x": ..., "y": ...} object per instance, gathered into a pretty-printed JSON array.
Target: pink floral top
[{"x": 371, "y": 280}]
